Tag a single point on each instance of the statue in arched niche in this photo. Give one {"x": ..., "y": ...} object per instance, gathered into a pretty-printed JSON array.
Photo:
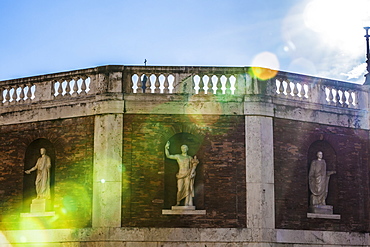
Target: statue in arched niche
[
  {"x": 185, "y": 176},
  {"x": 42, "y": 181},
  {"x": 319, "y": 181}
]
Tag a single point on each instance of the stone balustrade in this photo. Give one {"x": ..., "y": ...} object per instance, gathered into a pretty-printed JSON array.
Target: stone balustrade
[
  {"x": 318, "y": 90},
  {"x": 17, "y": 93},
  {"x": 70, "y": 87},
  {"x": 46, "y": 87},
  {"x": 237, "y": 81},
  {"x": 189, "y": 80}
]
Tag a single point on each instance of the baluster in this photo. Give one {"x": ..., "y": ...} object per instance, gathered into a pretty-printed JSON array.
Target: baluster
[
  {"x": 60, "y": 89},
  {"x": 302, "y": 92},
  {"x": 157, "y": 84},
  {"x": 344, "y": 99},
  {"x": 83, "y": 86},
  {"x": 152, "y": 78},
  {"x": 350, "y": 99},
  {"x": 14, "y": 95},
  {"x": 201, "y": 85},
  {"x": 7, "y": 95},
  {"x": 209, "y": 85},
  {"x": 288, "y": 88},
  {"x": 29, "y": 93},
  {"x": 337, "y": 97},
  {"x": 331, "y": 96},
  {"x": 139, "y": 84},
  {"x": 295, "y": 89},
  {"x": 228, "y": 85},
  {"x": 166, "y": 84},
  {"x": 144, "y": 82},
  {"x": 281, "y": 87},
  {"x": 1, "y": 95},
  {"x": 68, "y": 87},
  {"x": 148, "y": 84},
  {"x": 218, "y": 85},
  {"x": 75, "y": 86},
  {"x": 21, "y": 94}
]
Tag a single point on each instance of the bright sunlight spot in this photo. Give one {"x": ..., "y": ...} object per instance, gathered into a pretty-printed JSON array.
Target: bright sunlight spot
[{"x": 339, "y": 22}]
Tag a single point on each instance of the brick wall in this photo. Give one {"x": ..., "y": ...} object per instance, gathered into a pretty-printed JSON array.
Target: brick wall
[
  {"x": 345, "y": 150},
  {"x": 220, "y": 188},
  {"x": 72, "y": 141}
]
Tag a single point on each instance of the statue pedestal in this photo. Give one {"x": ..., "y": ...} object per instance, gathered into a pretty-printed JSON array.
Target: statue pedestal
[
  {"x": 183, "y": 210},
  {"x": 321, "y": 209},
  {"x": 38, "y": 209},
  {"x": 323, "y": 212},
  {"x": 38, "y": 206}
]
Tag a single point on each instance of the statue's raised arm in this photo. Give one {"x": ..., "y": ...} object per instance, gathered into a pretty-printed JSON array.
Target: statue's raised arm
[{"x": 167, "y": 152}]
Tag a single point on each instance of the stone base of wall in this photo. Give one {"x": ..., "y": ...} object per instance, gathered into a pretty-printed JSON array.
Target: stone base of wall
[{"x": 198, "y": 237}]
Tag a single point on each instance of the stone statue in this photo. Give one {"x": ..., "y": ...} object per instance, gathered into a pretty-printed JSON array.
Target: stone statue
[
  {"x": 319, "y": 181},
  {"x": 185, "y": 176},
  {"x": 42, "y": 181}
]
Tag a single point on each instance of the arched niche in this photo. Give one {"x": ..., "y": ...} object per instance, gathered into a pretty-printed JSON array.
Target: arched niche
[
  {"x": 171, "y": 168},
  {"x": 330, "y": 157},
  {"x": 31, "y": 156}
]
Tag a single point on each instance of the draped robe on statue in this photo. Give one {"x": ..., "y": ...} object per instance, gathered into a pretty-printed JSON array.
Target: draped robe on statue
[
  {"x": 42, "y": 181},
  {"x": 185, "y": 182},
  {"x": 318, "y": 181}
]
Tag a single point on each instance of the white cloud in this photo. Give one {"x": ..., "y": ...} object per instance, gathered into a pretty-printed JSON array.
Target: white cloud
[{"x": 356, "y": 72}]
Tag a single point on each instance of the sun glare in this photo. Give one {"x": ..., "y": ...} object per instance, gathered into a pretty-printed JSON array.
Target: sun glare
[{"x": 338, "y": 22}]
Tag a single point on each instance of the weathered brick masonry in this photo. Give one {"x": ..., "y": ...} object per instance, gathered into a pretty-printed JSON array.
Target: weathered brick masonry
[
  {"x": 349, "y": 187},
  {"x": 221, "y": 190},
  {"x": 72, "y": 140},
  {"x": 105, "y": 129}
]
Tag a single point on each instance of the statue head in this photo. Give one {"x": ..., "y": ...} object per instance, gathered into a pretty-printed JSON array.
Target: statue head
[
  {"x": 184, "y": 148},
  {"x": 43, "y": 151},
  {"x": 319, "y": 155}
]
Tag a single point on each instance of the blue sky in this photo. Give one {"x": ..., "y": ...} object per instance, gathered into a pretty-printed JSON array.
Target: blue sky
[{"x": 317, "y": 37}]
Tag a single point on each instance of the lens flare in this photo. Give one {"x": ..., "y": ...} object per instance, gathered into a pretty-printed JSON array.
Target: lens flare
[
  {"x": 265, "y": 66},
  {"x": 3, "y": 240},
  {"x": 338, "y": 22}
]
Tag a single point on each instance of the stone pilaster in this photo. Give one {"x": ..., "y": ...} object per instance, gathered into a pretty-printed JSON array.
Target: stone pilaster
[
  {"x": 260, "y": 167},
  {"x": 107, "y": 170}
]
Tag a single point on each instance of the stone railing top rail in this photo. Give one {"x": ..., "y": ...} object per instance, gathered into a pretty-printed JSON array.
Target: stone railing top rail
[{"x": 182, "y": 79}]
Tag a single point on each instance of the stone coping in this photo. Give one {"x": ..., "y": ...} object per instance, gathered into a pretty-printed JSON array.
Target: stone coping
[
  {"x": 189, "y": 236},
  {"x": 38, "y": 214},
  {"x": 324, "y": 216},
  {"x": 183, "y": 210}
]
